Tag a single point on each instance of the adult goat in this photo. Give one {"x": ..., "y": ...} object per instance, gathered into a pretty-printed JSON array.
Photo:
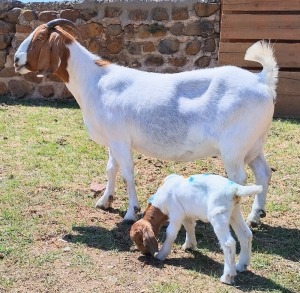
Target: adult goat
[{"x": 225, "y": 111}]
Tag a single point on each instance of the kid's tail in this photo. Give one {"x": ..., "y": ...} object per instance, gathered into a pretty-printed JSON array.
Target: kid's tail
[
  {"x": 263, "y": 53},
  {"x": 248, "y": 190}
]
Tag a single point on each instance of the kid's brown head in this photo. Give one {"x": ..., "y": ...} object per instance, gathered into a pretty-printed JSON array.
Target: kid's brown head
[{"x": 142, "y": 235}]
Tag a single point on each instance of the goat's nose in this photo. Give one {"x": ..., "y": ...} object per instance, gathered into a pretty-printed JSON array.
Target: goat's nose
[{"x": 17, "y": 59}]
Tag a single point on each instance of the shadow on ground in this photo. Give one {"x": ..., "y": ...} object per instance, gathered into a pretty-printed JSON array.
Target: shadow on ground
[
  {"x": 267, "y": 239},
  {"x": 102, "y": 238},
  {"x": 31, "y": 102},
  {"x": 202, "y": 264},
  {"x": 279, "y": 241}
]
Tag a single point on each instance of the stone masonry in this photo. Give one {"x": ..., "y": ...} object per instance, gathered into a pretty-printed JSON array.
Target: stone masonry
[{"x": 165, "y": 37}]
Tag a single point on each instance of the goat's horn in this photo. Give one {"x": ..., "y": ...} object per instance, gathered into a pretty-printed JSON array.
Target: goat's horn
[
  {"x": 66, "y": 22},
  {"x": 61, "y": 21}
]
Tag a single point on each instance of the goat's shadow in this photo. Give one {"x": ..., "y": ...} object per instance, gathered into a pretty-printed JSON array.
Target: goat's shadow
[
  {"x": 202, "y": 264},
  {"x": 279, "y": 241},
  {"x": 103, "y": 238},
  {"x": 267, "y": 239},
  {"x": 68, "y": 103}
]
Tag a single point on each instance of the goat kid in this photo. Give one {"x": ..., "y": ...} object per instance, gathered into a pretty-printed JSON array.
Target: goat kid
[
  {"x": 210, "y": 198},
  {"x": 225, "y": 111}
]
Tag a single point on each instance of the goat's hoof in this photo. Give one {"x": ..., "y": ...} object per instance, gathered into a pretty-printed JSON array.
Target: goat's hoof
[
  {"x": 253, "y": 219},
  {"x": 110, "y": 200},
  {"x": 189, "y": 247},
  {"x": 136, "y": 209},
  {"x": 159, "y": 256},
  {"x": 252, "y": 224},
  {"x": 241, "y": 267},
  {"x": 262, "y": 213},
  {"x": 104, "y": 205},
  {"x": 130, "y": 218},
  {"x": 227, "y": 279}
]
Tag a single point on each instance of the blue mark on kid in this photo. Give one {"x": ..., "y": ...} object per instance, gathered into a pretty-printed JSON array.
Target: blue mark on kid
[
  {"x": 191, "y": 179},
  {"x": 150, "y": 200},
  {"x": 230, "y": 182}
]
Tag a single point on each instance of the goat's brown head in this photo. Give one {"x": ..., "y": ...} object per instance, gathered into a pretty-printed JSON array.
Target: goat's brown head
[
  {"x": 142, "y": 235},
  {"x": 45, "y": 49}
]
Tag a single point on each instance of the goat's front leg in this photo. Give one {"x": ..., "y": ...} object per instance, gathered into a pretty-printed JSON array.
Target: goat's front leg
[
  {"x": 262, "y": 173},
  {"x": 190, "y": 238},
  {"x": 244, "y": 236},
  {"x": 172, "y": 232},
  {"x": 122, "y": 153},
  {"x": 111, "y": 170}
]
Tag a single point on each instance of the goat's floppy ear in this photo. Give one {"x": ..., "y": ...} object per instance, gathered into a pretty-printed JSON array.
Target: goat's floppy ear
[
  {"x": 50, "y": 54},
  {"x": 149, "y": 240}
]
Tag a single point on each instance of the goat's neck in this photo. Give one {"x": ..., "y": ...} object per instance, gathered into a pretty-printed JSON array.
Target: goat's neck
[
  {"x": 155, "y": 217},
  {"x": 84, "y": 74}
]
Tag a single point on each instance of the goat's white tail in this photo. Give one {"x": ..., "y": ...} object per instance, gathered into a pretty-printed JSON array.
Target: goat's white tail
[
  {"x": 248, "y": 190},
  {"x": 263, "y": 53}
]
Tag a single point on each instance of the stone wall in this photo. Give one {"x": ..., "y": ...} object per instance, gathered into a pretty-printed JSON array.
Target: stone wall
[{"x": 153, "y": 36}]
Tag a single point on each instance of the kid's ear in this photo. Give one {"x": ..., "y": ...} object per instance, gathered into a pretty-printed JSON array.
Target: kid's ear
[
  {"x": 133, "y": 232},
  {"x": 149, "y": 240}
]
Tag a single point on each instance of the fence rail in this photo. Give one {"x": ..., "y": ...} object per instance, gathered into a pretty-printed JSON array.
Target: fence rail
[{"x": 243, "y": 22}]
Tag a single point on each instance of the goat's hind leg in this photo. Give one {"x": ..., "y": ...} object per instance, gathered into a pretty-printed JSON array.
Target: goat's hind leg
[
  {"x": 262, "y": 173},
  {"x": 190, "y": 238},
  {"x": 244, "y": 236},
  {"x": 111, "y": 171},
  {"x": 220, "y": 223}
]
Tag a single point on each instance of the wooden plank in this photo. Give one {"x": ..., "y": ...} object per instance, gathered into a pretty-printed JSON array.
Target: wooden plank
[
  {"x": 261, "y": 5},
  {"x": 287, "y": 107},
  {"x": 253, "y": 27},
  {"x": 287, "y": 55},
  {"x": 289, "y": 83},
  {"x": 288, "y": 95}
]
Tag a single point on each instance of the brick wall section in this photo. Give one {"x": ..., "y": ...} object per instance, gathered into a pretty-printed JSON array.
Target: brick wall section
[{"x": 163, "y": 37}]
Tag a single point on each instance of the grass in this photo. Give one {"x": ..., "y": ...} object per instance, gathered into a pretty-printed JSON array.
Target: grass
[{"x": 53, "y": 240}]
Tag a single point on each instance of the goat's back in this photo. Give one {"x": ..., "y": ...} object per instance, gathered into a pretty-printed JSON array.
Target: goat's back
[{"x": 184, "y": 116}]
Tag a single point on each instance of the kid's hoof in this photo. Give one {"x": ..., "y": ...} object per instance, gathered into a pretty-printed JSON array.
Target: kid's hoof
[
  {"x": 226, "y": 279},
  {"x": 241, "y": 267}
]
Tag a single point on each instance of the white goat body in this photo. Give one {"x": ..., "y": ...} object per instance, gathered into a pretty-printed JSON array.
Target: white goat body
[
  {"x": 210, "y": 198},
  {"x": 225, "y": 111}
]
